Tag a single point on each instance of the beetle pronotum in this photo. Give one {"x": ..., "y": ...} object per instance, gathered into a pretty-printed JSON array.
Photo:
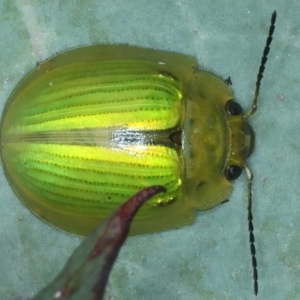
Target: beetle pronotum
[{"x": 91, "y": 126}]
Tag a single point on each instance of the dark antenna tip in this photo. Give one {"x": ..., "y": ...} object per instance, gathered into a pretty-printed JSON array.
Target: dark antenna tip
[{"x": 262, "y": 64}]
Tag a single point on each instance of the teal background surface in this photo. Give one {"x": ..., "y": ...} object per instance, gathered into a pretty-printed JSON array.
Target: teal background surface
[{"x": 211, "y": 259}]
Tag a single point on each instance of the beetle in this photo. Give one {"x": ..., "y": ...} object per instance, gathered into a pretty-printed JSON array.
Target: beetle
[{"x": 93, "y": 125}]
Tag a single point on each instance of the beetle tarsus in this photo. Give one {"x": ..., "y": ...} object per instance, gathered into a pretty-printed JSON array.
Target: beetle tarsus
[
  {"x": 228, "y": 81},
  {"x": 225, "y": 201}
]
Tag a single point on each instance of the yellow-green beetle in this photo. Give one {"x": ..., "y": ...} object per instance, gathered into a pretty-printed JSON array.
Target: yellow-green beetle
[{"x": 90, "y": 127}]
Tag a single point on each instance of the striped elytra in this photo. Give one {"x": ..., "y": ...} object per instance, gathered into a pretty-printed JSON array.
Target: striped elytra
[{"x": 90, "y": 127}]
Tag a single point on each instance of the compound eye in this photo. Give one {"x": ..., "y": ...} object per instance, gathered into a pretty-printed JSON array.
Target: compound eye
[
  {"x": 233, "y": 108},
  {"x": 233, "y": 172}
]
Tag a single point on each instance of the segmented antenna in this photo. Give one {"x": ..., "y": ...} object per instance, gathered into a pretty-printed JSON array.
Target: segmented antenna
[
  {"x": 248, "y": 171},
  {"x": 262, "y": 65},
  {"x": 251, "y": 229}
]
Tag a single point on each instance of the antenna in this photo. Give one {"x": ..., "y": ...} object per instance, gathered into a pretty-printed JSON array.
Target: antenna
[
  {"x": 262, "y": 65},
  {"x": 248, "y": 171},
  {"x": 251, "y": 229}
]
